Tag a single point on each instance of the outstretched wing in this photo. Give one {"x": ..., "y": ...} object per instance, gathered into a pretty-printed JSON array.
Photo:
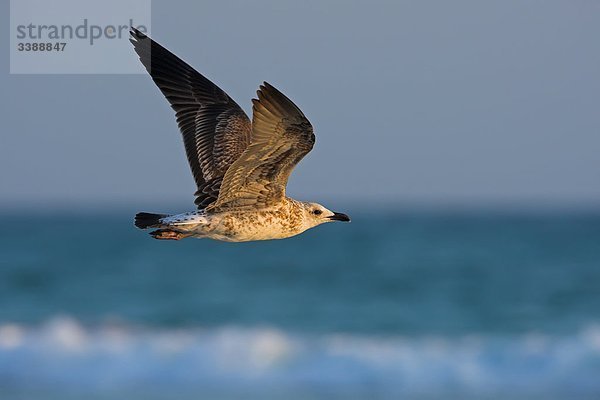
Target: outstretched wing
[
  {"x": 215, "y": 129},
  {"x": 281, "y": 137}
]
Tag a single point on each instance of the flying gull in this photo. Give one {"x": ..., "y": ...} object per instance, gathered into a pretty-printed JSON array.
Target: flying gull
[{"x": 241, "y": 168}]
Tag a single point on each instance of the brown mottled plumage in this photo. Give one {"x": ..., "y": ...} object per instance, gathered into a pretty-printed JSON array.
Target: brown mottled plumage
[{"x": 241, "y": 168}]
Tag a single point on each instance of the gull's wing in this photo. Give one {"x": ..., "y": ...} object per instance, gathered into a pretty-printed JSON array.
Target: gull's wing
[
  {"x": 281, "y": 137},
  {"x": 215, "y": 129}
]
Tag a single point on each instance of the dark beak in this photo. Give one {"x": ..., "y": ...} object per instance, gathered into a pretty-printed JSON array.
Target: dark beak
[{"x": 339, "y": 217}]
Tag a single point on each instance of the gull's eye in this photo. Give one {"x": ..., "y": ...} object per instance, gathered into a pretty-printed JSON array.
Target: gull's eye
[{"x": 317, "y": 212}]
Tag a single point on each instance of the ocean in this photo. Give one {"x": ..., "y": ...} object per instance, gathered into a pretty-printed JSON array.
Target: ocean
[{"x": 396, "y": 305}]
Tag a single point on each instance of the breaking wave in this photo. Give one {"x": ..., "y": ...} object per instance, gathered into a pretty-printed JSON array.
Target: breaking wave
[{"x": 63, "y": 355}]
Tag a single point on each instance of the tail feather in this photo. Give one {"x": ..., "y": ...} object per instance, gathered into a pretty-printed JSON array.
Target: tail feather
[{"x": 145, "y": 220}]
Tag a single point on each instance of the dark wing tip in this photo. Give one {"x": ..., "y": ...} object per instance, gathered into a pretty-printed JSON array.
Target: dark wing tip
[
  {"x": 267, "y": 91},
  {"x": 137, "y": 38},
  {"x": 267, "y": 88},
  {"x": 276, "y": 101},
  {"x": 136, "y": 33}
]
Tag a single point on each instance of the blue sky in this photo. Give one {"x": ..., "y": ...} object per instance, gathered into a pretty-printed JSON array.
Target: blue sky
[{"x": 413, "y": 102}]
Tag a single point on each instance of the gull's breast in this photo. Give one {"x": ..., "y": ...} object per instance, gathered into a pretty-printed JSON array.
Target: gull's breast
[{"x": 241, "y": 226}]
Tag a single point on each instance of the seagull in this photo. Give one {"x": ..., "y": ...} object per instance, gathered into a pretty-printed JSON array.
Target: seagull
[{"x": 241, "y": 168}]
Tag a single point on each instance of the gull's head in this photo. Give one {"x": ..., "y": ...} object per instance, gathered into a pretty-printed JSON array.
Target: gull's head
[{"x": 315, "y": 214}]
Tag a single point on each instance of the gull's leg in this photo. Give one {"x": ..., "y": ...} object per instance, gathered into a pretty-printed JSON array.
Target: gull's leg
[{"x": 169, "y": 234}]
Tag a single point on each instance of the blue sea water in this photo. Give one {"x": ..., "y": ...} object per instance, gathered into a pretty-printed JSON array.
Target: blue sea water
[{"x": 413, "y": 305}]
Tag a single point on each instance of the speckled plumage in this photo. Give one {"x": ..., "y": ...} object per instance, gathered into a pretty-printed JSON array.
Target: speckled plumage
[
  {"x": 241, "y": 168},
  {"x": 286, "y": 219}
]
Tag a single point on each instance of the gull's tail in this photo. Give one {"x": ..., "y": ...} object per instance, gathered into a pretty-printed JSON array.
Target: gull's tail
[{"x": 145, "y": 220}]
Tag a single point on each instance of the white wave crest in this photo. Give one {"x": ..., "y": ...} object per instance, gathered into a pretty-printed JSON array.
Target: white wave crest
[{"x": 64, "y": 355}]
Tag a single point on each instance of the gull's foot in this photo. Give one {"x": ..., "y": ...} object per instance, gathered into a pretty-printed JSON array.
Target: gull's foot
[{"x": 168, "y": 234}]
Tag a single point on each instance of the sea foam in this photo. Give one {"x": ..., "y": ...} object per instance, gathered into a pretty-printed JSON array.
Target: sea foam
[{"x": 62, "y": 355}]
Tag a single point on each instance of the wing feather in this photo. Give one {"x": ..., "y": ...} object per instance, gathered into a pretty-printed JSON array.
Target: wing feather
[
  {"x": 215, "y": 130},
  {"x": 281, "y": 137}
]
